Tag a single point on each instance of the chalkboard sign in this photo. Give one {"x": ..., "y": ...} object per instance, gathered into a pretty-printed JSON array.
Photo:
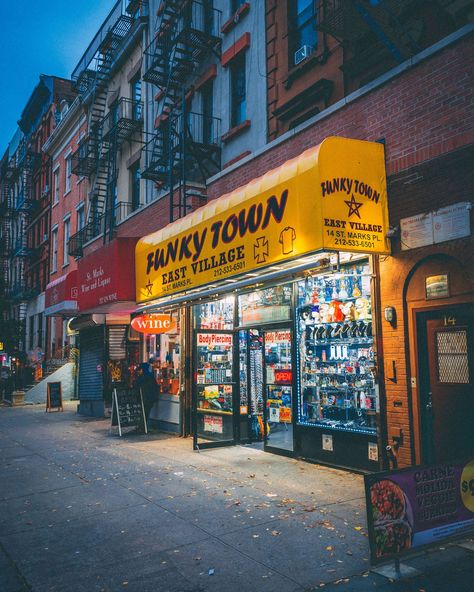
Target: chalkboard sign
[
  {"x": 127, "y": 409},
  {"x": 54, "y": 396}
]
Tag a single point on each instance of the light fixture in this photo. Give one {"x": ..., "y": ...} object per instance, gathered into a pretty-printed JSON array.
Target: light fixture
[{"x": 389, "y": 314}]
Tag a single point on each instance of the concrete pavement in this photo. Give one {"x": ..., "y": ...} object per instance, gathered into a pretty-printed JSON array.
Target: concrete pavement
[{"x": 81, "y": 510}]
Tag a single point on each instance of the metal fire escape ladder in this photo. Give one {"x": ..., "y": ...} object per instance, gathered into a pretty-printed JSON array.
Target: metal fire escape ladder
[
  {"x": 173, "y": 158},
  {"x": 349, "y": 20}
]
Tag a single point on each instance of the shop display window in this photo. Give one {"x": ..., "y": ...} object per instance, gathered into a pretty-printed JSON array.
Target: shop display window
[
  {"x": 265, "y": 306},
  {"x": 217, "y": 315},
  {"x": 214, "y": 373},
  {"x": 335, "y": 351},
  {"x": 165, "y": 350}
]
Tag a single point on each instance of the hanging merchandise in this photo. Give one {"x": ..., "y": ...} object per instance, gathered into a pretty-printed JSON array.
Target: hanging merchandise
[{"x": 336, "y": 353}]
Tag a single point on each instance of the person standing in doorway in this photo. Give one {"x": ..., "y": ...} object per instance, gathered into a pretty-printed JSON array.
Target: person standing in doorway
[{"x": 147, "y": 383}]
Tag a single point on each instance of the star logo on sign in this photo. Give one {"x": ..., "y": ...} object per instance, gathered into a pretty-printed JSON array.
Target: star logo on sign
[
  {"x": 260, "y": 250},
  {"x": 149, "y": 287},
  {"x": 354, "y": 206}
]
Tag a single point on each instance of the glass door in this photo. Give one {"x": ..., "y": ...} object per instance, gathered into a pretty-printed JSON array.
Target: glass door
[
  {"x": 214, "y": 388},
  {"x": 278, "y": 401},
  {"x": 251, "y": 384}
]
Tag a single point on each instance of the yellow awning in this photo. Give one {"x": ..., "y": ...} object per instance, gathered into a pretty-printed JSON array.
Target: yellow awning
[{"x": 332, "y": 197}]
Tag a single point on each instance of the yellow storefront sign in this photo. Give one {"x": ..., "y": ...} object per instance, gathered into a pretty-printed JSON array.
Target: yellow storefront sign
[{"x": 332, "y": 197}]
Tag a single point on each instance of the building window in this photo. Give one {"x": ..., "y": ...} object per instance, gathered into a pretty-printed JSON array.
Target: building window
[
  {"x": 40, "y": 329},
  {"x": 80, "y": 217},
  {"x": 32, "y": 332},
  {"x": 68, "y": 174},
  {"x": 135, "y": 176},
  {"x": 52, "y": 335},
  {"x": 56, "y": 186},
  {"x": 207, "y": 111},
  {"x": 136, "y": 94},
  {"x": 54, "y": 240},
  {"x": 303, "y": 28},
  {"x": 67, "y": 235},
  {"x": 238, "y": 91}
]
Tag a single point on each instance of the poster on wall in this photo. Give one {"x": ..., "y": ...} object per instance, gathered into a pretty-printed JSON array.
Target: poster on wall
[
  {"x": 214, "y": 424},
  {"x": 420, "y": 506}
]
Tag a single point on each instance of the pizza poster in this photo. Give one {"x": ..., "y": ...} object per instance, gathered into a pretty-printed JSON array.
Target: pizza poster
[{"x": 420, "y": 506}]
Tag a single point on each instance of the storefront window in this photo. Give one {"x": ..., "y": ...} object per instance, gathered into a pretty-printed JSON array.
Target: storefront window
[
  {"x": 335, "y": 351},
  {"x": 165, "y": 350},
  {"x": 217, "y": 315},
  {"x": 265, "y": 306},
  {"x": 214, "y": 385}
]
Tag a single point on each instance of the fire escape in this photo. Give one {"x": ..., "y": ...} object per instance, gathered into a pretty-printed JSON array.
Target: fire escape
[
  {"x": 23, "y": 208},
  {"x": 96, "y": 156},
  {"x": 5, "y": 228},
  {"x": 185, "y": 148},
  {"x": 375, "y": 34}
]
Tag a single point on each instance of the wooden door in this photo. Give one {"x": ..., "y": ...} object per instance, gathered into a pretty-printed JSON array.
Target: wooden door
[{"x": 448, "y": 400}]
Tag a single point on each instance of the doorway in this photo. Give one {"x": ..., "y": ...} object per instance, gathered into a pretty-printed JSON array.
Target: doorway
[
  {"x": 266, "y": 387},
  {"x": 445, "y": 344},
  {"x": 278, "y": 390}
]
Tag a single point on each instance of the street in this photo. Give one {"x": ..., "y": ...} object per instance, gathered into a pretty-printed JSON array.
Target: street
[{"x": 81, "y": 510}]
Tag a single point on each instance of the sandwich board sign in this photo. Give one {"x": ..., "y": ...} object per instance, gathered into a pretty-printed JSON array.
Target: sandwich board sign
[
  {"x": 54, "y": 396},
  {"x": 127, "y": 409}
]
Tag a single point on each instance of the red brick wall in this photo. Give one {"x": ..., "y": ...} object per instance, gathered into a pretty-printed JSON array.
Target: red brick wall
[
  {"x": 422, "y": 113},
  {"x": 440, "y": 182}
]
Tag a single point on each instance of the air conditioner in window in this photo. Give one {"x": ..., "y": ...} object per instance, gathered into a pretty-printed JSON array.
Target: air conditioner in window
[
  {"x": 303, "y": 52},
  {"x": 45, "y": 190}
]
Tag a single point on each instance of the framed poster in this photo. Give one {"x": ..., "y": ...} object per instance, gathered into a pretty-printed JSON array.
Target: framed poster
[{"x": 437, "y": 286}]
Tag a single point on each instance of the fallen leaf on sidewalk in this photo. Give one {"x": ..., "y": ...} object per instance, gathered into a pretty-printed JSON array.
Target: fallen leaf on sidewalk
[
  {"x": 329, "y": 548},
  {"x": 275, "y": 532},
  {"x": 357, "y": 527}
]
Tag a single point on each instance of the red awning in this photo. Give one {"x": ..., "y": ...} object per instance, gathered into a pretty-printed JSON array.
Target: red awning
[
  {"x": 61, "y": 296},
  {"x": 106, "y": 278}
]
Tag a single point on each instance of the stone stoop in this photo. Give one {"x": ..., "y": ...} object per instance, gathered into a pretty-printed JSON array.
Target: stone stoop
[{"x": 64, "y": 374}]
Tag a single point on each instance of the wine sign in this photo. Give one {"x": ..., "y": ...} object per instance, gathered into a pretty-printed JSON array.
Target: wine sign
[{"x": 54, "y": 397}]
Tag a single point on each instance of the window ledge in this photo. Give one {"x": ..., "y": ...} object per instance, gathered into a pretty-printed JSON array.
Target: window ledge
[
  {"x": 235, "y": 18},
  {"x": 236, "y": 131},
  {"x": 67, "y": 192},
  {"x": 65, "y": 265}
]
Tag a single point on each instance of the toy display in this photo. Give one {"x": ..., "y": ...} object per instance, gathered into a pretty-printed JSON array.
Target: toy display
[{"x": 336, "y": 352}]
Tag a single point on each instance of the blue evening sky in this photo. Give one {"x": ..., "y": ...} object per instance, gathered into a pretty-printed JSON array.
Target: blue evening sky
[{"x": 40, "y": 37}]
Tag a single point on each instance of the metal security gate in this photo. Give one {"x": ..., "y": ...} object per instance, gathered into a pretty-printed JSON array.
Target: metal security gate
[{"x": 91, "y": 371}]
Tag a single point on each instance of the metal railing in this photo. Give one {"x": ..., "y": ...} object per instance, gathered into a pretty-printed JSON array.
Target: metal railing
[
  {"x": 91, "y": 230},
  {"x": 124, "y": 119},
  {"x": 99, "y": 55},
  {"x": 180, "y": 136},
  {"x": 194, "y": 26}
]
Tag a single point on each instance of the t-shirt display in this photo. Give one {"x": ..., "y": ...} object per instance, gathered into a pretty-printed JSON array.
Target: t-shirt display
[{"x": 335, "y": 350}]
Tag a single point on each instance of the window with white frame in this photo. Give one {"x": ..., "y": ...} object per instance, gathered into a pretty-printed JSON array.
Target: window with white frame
[
  {"x": 54, "y": 242},
  {"x": 66, "y": 237},
  {"x": 56, "y": 186},
  {"x": 80, "y": 220},
  {"x": 68, "y": 174}
]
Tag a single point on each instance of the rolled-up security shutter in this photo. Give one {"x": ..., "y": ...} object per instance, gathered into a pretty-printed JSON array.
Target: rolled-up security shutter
[
  {"x": 117, "y": 341},
  {"x": 91, "y": 360}
]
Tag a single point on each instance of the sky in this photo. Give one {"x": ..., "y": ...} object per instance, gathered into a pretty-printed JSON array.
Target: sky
[{"x": 40, "y": 37}]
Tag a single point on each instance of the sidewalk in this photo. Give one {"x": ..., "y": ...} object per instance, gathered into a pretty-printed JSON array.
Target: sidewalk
[{"x": 81, "y": 510}]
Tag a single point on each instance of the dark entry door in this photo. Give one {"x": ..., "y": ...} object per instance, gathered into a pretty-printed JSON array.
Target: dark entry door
[{"x": 446, "y": 346}]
